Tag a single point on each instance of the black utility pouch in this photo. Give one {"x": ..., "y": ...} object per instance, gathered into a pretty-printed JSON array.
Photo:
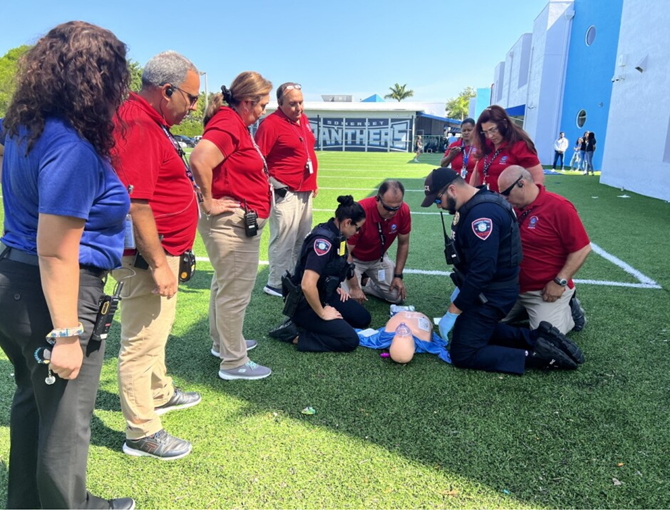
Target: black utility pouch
[
  {"x": 140, "y": 262},
  {"x": 186, "y": 266},
  {"x": 106, "y": 310},
  {"x": 292, "y": 295}
]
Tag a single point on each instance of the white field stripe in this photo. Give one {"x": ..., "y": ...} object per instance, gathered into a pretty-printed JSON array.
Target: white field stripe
[
  {"x": 368, "y": 189},
  {"x": 411, "y": 212},
  {"x": 626, "y": 267}
]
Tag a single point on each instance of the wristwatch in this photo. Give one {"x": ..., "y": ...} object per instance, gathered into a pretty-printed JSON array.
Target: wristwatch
[
  {"x": 397, "y": 275},
  {"x": 560, "y": 281}
]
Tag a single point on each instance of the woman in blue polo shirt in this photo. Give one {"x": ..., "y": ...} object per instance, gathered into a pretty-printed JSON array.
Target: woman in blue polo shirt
[{"x": 63, "y": 231}]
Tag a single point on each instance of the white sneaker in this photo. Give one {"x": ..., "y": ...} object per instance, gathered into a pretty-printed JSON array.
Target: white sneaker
[
  {"x": 272, "y": 291},
  {"x": 251, "y": 344}
]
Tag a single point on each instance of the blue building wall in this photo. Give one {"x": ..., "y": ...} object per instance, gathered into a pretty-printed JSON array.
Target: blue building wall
[{"x": 588, "y": 84}]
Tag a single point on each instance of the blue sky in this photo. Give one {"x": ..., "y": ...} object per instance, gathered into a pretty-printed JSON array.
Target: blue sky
[{"x": 331, "y": 47}]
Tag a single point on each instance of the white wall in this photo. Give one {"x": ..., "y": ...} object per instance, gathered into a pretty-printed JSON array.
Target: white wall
[
  {"x": 549, "y": 53},
  {"x": 637, "y": 148}
]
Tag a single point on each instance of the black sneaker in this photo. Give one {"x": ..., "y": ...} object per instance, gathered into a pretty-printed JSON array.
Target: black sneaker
[
  {"x": 122, "y": 504},
  {"x": 559, "y": 340},
  {"x": 546, "y": 355},
  {"x": 160, "y": 445},
  {"x": 578, "y": 314},
  {"x": 179, "y": 400},
  {"x": 286, "y": 332}
]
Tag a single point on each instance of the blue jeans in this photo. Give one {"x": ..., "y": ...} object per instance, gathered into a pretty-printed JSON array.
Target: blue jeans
[{"x": 588, "y": 162}]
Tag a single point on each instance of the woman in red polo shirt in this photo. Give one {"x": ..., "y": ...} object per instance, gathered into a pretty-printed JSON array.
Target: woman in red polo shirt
[
  {"x": 233, "y": 177},
  {"x": 501, "y": 143},
  {"x": 461, "y": 154}
]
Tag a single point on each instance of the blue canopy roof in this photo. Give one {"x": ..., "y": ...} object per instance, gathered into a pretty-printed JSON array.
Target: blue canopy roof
[{"x": 374, "y": 98}]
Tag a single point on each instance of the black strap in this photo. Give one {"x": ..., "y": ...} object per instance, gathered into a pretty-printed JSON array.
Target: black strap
[
  {"x": 382, "y": 240},
  {"x": 182, "y": 156},
  {"x": 488, "y": 163}
]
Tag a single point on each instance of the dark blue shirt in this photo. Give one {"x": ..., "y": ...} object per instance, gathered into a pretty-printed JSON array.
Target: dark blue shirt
[
  {"x": 484, "y": 245},
  {"x": 63, "y": 176}
]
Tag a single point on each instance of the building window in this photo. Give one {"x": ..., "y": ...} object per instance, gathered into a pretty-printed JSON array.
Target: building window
[
  {"x": 581, "y": 118},
  {"x": 590, "y": 35}
]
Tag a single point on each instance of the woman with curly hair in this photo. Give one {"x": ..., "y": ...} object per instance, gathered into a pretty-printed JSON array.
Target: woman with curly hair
[
  {"x": 233, "y": 177},
  {"x": 501, "y": 143},
  {"x": 63, "y": 232}
]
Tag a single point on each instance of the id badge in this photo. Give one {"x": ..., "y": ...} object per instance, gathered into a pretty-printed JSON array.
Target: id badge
[
  {"x": 129, "y": 235},
  {"x": 310, "y": 167},
  {"x": 381, "y": 275},
  {"x": 343, "y": 249}
]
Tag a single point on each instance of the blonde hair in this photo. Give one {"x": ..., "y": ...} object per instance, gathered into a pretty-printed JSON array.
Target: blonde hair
[{"x": 247, "y": 86}]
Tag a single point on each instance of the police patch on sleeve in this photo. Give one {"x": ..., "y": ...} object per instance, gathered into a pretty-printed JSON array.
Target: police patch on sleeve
[
  {"x": 482, "y": 227},
  {"x": 321, "y": 247}
]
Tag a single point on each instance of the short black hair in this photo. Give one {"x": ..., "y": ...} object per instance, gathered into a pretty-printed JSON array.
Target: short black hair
[{"x": 391, "y": 184}]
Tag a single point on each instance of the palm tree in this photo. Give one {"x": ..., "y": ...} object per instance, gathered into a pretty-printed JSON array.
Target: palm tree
[{"x": 399, "y": 92}]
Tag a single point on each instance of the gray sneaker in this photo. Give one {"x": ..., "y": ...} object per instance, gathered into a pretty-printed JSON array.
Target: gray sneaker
[
  {"x": 179, "y": 400},
  {"x": 251, "y": 344},
  {"x": 160, "y": 445},
  {"x": 249, "y": 370}
]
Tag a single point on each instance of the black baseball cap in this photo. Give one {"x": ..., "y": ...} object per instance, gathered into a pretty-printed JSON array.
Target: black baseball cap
[{"x": 436, "y": 180}]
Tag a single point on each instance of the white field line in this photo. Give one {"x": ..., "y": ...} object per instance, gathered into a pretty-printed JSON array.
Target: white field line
[
  {"x": 645, "y": 281},
  {"x": 411, "y": 212},
  {"x": 368, "y": 189}
]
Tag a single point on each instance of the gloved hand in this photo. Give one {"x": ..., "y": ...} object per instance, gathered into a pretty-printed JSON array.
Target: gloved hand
[
  {"x": 446, "y": 324},
  {"x": 455, "y": 294}
]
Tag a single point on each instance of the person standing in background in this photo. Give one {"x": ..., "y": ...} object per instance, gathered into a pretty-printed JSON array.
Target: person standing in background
[
  {"x": 588, "y": 154},
  {"x": 560, "y": 146},
  {"x": 461, "y": 154},
  {"x": 287, "y": 142},
  {"x": 419, "y": 148},
  {"x": 576, "y": 160},
  {"x": 582, "y": 151}
]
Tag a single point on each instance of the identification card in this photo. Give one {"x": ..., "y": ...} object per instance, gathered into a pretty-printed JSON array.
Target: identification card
[
  {"x": 310, "y": 167},
  {"x": 129, "y": 236},
  {"x": 381, "y": 275}
]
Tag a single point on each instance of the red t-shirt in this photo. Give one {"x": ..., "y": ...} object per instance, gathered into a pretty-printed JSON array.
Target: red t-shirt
[
  {"x": 286, "y": 146},
  {"x": 241, "y": 175},
  {"x": 457, "y": 163},
  {"x": 550, "y": 230},
  {"x": 519, "y": 154},
  {"x": 367, "y": 242},
  {"x": 145, "y": 159}
]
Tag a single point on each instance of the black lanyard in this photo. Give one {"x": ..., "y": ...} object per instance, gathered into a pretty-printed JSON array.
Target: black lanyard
[
  {"x": 182, "y": 156},
  {"x": 488, "y": 163},
  {"x": 524, "y": 215},
  {"x": 382, "y": 240}
]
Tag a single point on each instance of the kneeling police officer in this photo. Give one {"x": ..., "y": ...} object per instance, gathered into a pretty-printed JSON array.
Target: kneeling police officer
[
  {"x": 322, "y": 318},
  {"x": 485, "y": 248}
]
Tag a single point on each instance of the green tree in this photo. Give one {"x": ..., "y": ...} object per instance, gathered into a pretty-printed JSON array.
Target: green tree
[
  {"x": 8, "y": 68},
  {"x": 192, "y": 125},
  {"x": 458, "y": 107},
  {"x": 135, "y": 75},
  {"x": 399, "y": 92}
]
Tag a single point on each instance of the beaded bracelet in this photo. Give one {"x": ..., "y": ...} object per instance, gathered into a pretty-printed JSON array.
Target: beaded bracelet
[{"x": 66, "y": 332}]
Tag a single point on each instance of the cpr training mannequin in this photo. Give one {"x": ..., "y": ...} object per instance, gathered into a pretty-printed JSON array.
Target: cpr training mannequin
[{"x": 403, "y": 343}]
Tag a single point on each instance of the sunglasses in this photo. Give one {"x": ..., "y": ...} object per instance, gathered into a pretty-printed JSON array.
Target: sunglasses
[
  {"x": 507, "y": 191},
  {"x": 388, "y": 207},
  {"x": 295, "y": 86},
  {"x": 192, "y": 99}
]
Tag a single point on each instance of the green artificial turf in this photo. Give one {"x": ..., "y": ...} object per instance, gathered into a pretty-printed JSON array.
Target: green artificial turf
[{"x": 422, "y": 435}]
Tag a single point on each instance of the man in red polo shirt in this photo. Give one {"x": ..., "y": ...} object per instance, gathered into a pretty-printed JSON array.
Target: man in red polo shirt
[
  {"x": 287, "y": 142},
  {"x": 164, "y": 212},
  {"x": 387, "y": 216},
  {"x": 555, "y": 245}
]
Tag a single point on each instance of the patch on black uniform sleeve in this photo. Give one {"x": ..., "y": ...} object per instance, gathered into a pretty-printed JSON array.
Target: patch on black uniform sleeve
[
  {"x": 321, "y": 247},
  {"x": 482, "y": 227}
]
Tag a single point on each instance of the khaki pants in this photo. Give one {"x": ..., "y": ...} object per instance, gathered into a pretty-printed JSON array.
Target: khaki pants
[
  {"x": 290, "y": 223},
  {"x": 380, "y": 288},
  {"x": 146, "y": 321},
  {"x": 557, "y": 313},
  {"x": 234, "y": 257}
]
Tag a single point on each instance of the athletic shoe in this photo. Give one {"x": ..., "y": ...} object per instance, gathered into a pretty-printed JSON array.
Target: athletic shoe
[
  {"x": 286, "y": 332},
  {"x": 546, "y": 355},
  {"x": 578, "y": 314},
  {"x": 272, "y": 291},
  {"x": 251, "y": 344},
  {"x": 179, "y": 400},
  {"x": 160, "y": 445},
  {"x": 249, "y": 370},
  {"x": 122, "y": 504},
  {"x": 560, "y": 341}
]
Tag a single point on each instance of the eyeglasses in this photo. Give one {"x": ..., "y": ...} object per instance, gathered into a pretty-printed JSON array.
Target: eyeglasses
[
  {"x": 490, "y": 131},
  {"x": 388, "y": 207},
  {"x": 507, "y": 191},
  {"x": 192, "y": 99}
]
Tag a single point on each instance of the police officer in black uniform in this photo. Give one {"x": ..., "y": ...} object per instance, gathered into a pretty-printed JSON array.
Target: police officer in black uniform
[
  {"x": 485, "y": 249},
  {"x": 322, "y": 318}
]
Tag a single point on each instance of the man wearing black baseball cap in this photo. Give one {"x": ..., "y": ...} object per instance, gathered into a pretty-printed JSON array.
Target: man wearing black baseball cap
[{"x": 486, "y": 253}]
